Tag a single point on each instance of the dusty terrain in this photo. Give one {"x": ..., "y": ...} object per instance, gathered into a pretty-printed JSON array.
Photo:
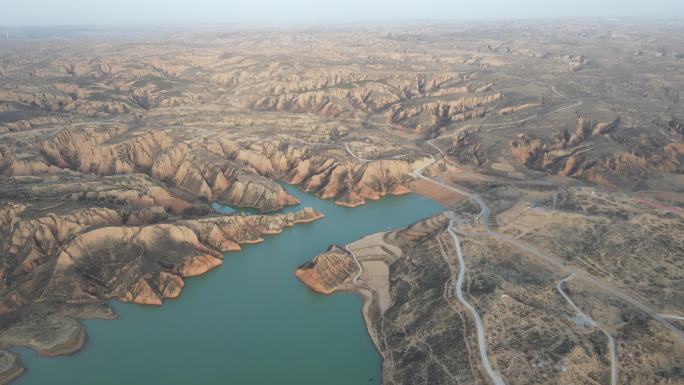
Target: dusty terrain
[
  {"x": 620, "y": 278},
  {"x": 115, "y": 146}
]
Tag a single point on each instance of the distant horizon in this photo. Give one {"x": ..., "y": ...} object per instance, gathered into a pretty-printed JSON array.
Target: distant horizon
[
  {"x": 46, "y": 13},
  {"x": 335, "y": 23}
]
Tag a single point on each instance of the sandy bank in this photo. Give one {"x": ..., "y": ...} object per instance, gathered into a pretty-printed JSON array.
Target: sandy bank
[{"x": 10, "y": 367}]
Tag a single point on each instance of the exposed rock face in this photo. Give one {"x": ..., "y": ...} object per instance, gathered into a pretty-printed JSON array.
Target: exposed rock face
[
  {"x": 466, "y": 148},
  {"x": 345, "y": 93},
  {"x": 254, "y": 191},
  {"x": 565, "y": 155},
  {"x": 32, "y": 242},
  {"x": 8, "y": 214},
  {"x": 314, "y": 102},
  {"x": 61, "y": 102},
  {"x": 328, "y": 272},
  {"x": 441, "y": 113},
  {"x": 10, "y": 165},
  {"x": 83, "y": 254},
  {"x": 586, "y": 130},
  {"x": 514, "y": 109},
  {"x": 149, "y": 96},
  {"x": 156, "y": 154},
  {"x": 28, "y": 124},
  {"x": 642, "y": 155},
  {"x": 53, "y": 262},
  {"x": 152, "y": 214},
  {"x": 351, "y": 183},
  {"x": 420, "y": 336},
  {"x": 646, "y": 153},
  {"x": 422, "y": 102},
  {"x": 135, "y": 90},
  {"x": 133, "y": 191},
  {"x": 532, "y": 336},
  {"x": 226, "y": 171},
  {"x": 112, "y": 156}
]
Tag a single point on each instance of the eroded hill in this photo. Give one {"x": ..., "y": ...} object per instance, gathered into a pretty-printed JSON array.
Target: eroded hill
[{"x": 114, "y": 151}]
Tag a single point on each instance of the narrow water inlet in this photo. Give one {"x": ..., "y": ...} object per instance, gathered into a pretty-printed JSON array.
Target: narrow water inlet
[{"x": 250, "y": 321}]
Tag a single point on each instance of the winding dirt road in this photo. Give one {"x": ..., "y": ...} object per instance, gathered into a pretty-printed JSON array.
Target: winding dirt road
[
  {"x": 358, "y": 264},
  {"x": 590, "y": 322},
  {"x": 559, "y": 264},
  {"x": 670, "y": 316},
  {"x": 482, "y": 342}
]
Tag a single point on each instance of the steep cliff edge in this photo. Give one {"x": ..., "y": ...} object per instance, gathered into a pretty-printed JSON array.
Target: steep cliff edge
[
  {"x": 57, "y": 269},
  {"x": 436, "y": 302},
  {"x": 220, "y": 169},
  {"x": 164, "y": 158},
  {"x": 328, "y": 272}
]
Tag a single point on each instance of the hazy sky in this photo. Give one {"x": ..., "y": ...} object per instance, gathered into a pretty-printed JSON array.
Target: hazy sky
[{"x": 60, "y": 12}]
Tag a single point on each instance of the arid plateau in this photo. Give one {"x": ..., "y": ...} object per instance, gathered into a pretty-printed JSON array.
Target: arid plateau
[{"x": 132, "y": 160}]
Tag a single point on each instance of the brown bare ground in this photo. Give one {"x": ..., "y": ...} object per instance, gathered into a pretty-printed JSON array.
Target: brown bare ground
[
  {"x": 437, "y": 193},
  {"x": 665, "y": 196},
  {"x": 676, "y": 210}
]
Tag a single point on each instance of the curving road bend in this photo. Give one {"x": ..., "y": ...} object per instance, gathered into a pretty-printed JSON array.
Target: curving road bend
[
  {"x": 494, "y": 375},
  {"x": 589, "y": 321},
  {"x": 556, "y": 262},
  {"x": 358, "y": 264},
  {"x": 354, "y": 155},
  {"x": 484, "y": 213}
]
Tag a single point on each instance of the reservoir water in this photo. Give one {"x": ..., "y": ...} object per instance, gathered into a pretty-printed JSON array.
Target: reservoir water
[{"x": 247, "y": 322}]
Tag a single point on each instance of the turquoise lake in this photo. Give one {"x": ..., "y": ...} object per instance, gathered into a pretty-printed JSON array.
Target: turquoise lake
[{"x": 247, "y": 322}]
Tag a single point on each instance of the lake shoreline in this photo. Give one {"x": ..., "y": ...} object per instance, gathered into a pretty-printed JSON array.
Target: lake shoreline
[{"x": 335, "y": 339}]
